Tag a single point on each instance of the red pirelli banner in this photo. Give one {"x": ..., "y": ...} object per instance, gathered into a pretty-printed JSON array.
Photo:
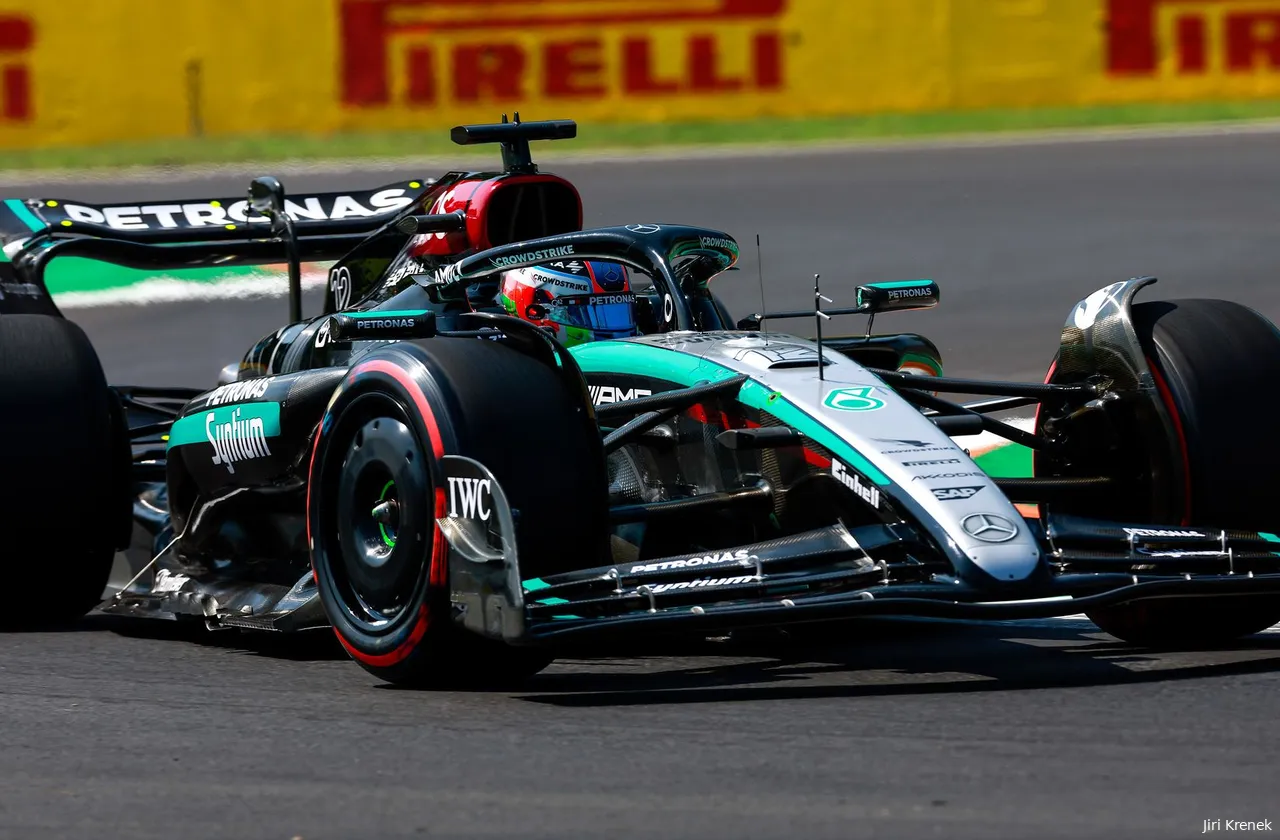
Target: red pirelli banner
[
  {"x": 1192, "y": 37},
  {"x": 462, "y": 51},
  {"x": 98, "y": 71}
]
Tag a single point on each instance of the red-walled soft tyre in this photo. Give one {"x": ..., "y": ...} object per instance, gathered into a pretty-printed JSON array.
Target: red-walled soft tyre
[
  {"x": 1217, "y": 369},
  {"x": 381, "y": 562}
]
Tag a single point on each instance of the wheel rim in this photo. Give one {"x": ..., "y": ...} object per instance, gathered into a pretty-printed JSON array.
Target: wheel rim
[
  {"x": 387, "y": 513},
  {"x": 379, "y": 539}
]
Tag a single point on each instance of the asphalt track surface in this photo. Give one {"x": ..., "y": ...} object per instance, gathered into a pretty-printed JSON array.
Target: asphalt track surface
[{"x": 882, "y": 729}]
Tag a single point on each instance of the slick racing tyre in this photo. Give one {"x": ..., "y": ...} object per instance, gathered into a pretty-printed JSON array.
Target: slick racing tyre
[
  {"x": 376, "y": 489},
  {"x": 1216, "y": 366},
  {"x": 64, "y": 471}
]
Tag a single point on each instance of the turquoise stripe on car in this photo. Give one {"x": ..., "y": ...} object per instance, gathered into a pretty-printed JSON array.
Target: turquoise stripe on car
[
  {"x": 387, "y": 313},
  {"x": 900, "y": 284},
  {"x": 20, "y": 210},
  {"x": 636, "y": 359},
  {"x": 193, "y": 427}
]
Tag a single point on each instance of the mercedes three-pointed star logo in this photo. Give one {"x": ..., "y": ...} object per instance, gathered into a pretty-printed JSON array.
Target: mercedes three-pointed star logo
[{"x": 988, "y": 527}]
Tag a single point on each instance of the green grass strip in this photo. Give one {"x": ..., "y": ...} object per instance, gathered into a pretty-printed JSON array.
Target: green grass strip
[
  {"x": 1012, "y": 461},
  {"x": 594, "y": 136},
  {"x": 77, "y": 274}
]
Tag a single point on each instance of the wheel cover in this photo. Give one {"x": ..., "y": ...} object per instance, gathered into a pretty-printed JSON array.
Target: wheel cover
[{"x": 382, "y": 519}]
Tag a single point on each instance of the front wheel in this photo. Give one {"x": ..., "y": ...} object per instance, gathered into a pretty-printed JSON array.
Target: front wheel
[
  {"x": 382, "y": 563},
  {"x": 1216, "y": 366}
]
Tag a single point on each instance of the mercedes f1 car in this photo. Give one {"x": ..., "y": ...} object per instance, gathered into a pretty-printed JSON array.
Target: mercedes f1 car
[{"x": 456, "y": 492}]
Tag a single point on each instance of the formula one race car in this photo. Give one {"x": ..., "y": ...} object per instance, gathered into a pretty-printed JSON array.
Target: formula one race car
[{"x": 445, "y": 471}]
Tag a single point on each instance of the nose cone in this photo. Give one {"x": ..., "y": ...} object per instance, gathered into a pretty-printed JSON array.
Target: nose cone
[
  {"x": 1010, "y": 563},
  {"x": 1000, "y": 545}
]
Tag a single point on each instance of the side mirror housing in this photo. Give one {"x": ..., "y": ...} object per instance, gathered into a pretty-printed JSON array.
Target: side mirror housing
[
  {"x": 897, "y": 296},
  {"x": 266, "y": 197}
]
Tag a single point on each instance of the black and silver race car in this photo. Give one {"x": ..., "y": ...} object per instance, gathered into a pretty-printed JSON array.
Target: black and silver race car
[{"x": 456, "y": 493}]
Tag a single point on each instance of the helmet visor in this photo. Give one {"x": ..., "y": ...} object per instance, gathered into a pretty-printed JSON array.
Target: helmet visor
[{"x": 610, "y": 313}]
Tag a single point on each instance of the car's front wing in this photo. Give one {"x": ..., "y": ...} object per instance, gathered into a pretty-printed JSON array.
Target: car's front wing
[{"x": 834, "y": 573}]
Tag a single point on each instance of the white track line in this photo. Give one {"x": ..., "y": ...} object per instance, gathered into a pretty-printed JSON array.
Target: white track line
[
  {"x": 158, "y": 290},
  {"x": 980, "y": 444}
]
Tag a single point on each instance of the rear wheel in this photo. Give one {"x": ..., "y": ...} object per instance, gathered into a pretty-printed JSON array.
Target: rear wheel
[
  {"x": 1217, "y": 368},
  {"x": 381, "y": 562},
  {"x": 64, "y": 500}
]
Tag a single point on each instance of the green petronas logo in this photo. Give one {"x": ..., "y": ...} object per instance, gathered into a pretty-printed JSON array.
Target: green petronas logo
[{"x": 861, "y": 398}]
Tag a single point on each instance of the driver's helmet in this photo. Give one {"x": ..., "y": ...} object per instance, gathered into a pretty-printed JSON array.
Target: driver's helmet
[{"x": 578, "y": 300}]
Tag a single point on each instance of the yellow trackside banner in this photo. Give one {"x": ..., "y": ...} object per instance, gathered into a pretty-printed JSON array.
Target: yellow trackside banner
[{"x": 82, "y": 72}]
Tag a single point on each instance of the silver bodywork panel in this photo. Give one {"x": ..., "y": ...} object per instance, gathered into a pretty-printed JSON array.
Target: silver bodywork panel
[{"x": 928, "y": 474}]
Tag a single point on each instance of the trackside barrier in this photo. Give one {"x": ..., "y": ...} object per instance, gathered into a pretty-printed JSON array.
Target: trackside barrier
[{"x": 97, "y": 71}]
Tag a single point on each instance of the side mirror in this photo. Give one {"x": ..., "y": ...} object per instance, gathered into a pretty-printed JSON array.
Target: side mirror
[
  {"x": 897, "y": 296},
  {"x": 266, "y": 197}
]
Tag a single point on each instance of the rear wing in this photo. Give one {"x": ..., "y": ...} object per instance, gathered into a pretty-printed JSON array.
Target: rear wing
[
  {"x": 185, "y": 234},
  {"x": 156, "y": 235},
  {"x": 205, "y": 220}
]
